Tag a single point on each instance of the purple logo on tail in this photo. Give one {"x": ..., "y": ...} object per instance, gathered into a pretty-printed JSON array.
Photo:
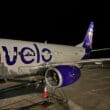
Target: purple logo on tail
[
  {"x": 88, "y": 38},
  {"x": 88, "y": 41}
]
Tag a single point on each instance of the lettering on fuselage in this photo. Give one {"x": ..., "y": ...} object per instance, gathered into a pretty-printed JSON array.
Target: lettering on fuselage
[{"x": 27, "y": 55}]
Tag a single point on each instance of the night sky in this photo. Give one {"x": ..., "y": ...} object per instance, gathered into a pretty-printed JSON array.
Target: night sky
[{"x": 61, "y": 23}]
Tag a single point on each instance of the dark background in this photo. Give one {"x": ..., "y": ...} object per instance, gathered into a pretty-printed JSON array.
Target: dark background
[{"x": 55, "y": 22}]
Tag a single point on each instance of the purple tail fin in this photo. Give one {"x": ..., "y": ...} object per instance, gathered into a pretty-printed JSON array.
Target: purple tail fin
[{"x": 87, "y": 43}]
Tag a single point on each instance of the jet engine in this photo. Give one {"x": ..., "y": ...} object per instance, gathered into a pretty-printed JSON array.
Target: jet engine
[{"x": 61, "y": 75}]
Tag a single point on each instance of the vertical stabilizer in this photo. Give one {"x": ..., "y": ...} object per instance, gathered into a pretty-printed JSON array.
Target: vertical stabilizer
[{"x": 87, "y": 42}]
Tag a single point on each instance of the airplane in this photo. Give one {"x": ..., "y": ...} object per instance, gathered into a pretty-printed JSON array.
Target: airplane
[{"x": 58, "y": 64}]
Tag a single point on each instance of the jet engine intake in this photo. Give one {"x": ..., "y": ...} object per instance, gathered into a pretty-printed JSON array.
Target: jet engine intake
[{"x": 62, "y": 75}]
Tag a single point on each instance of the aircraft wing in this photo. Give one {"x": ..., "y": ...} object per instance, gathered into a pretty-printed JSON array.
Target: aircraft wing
[
  {"x": 103, "y": 49},
  {"x": 96, "y": 61}
]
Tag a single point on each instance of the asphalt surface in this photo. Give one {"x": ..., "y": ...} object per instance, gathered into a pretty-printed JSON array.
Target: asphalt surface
[{"x": 90, "y": 92}]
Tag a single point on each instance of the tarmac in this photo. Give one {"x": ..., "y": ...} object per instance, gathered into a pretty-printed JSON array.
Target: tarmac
[{"x": 90, "y": 92}]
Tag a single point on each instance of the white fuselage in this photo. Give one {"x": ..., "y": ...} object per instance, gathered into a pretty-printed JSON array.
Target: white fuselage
[{"x": 19, "y": 57}]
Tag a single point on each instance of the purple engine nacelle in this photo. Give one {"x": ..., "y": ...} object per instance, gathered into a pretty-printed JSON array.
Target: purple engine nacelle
[{"x": 62, "y": 75}]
